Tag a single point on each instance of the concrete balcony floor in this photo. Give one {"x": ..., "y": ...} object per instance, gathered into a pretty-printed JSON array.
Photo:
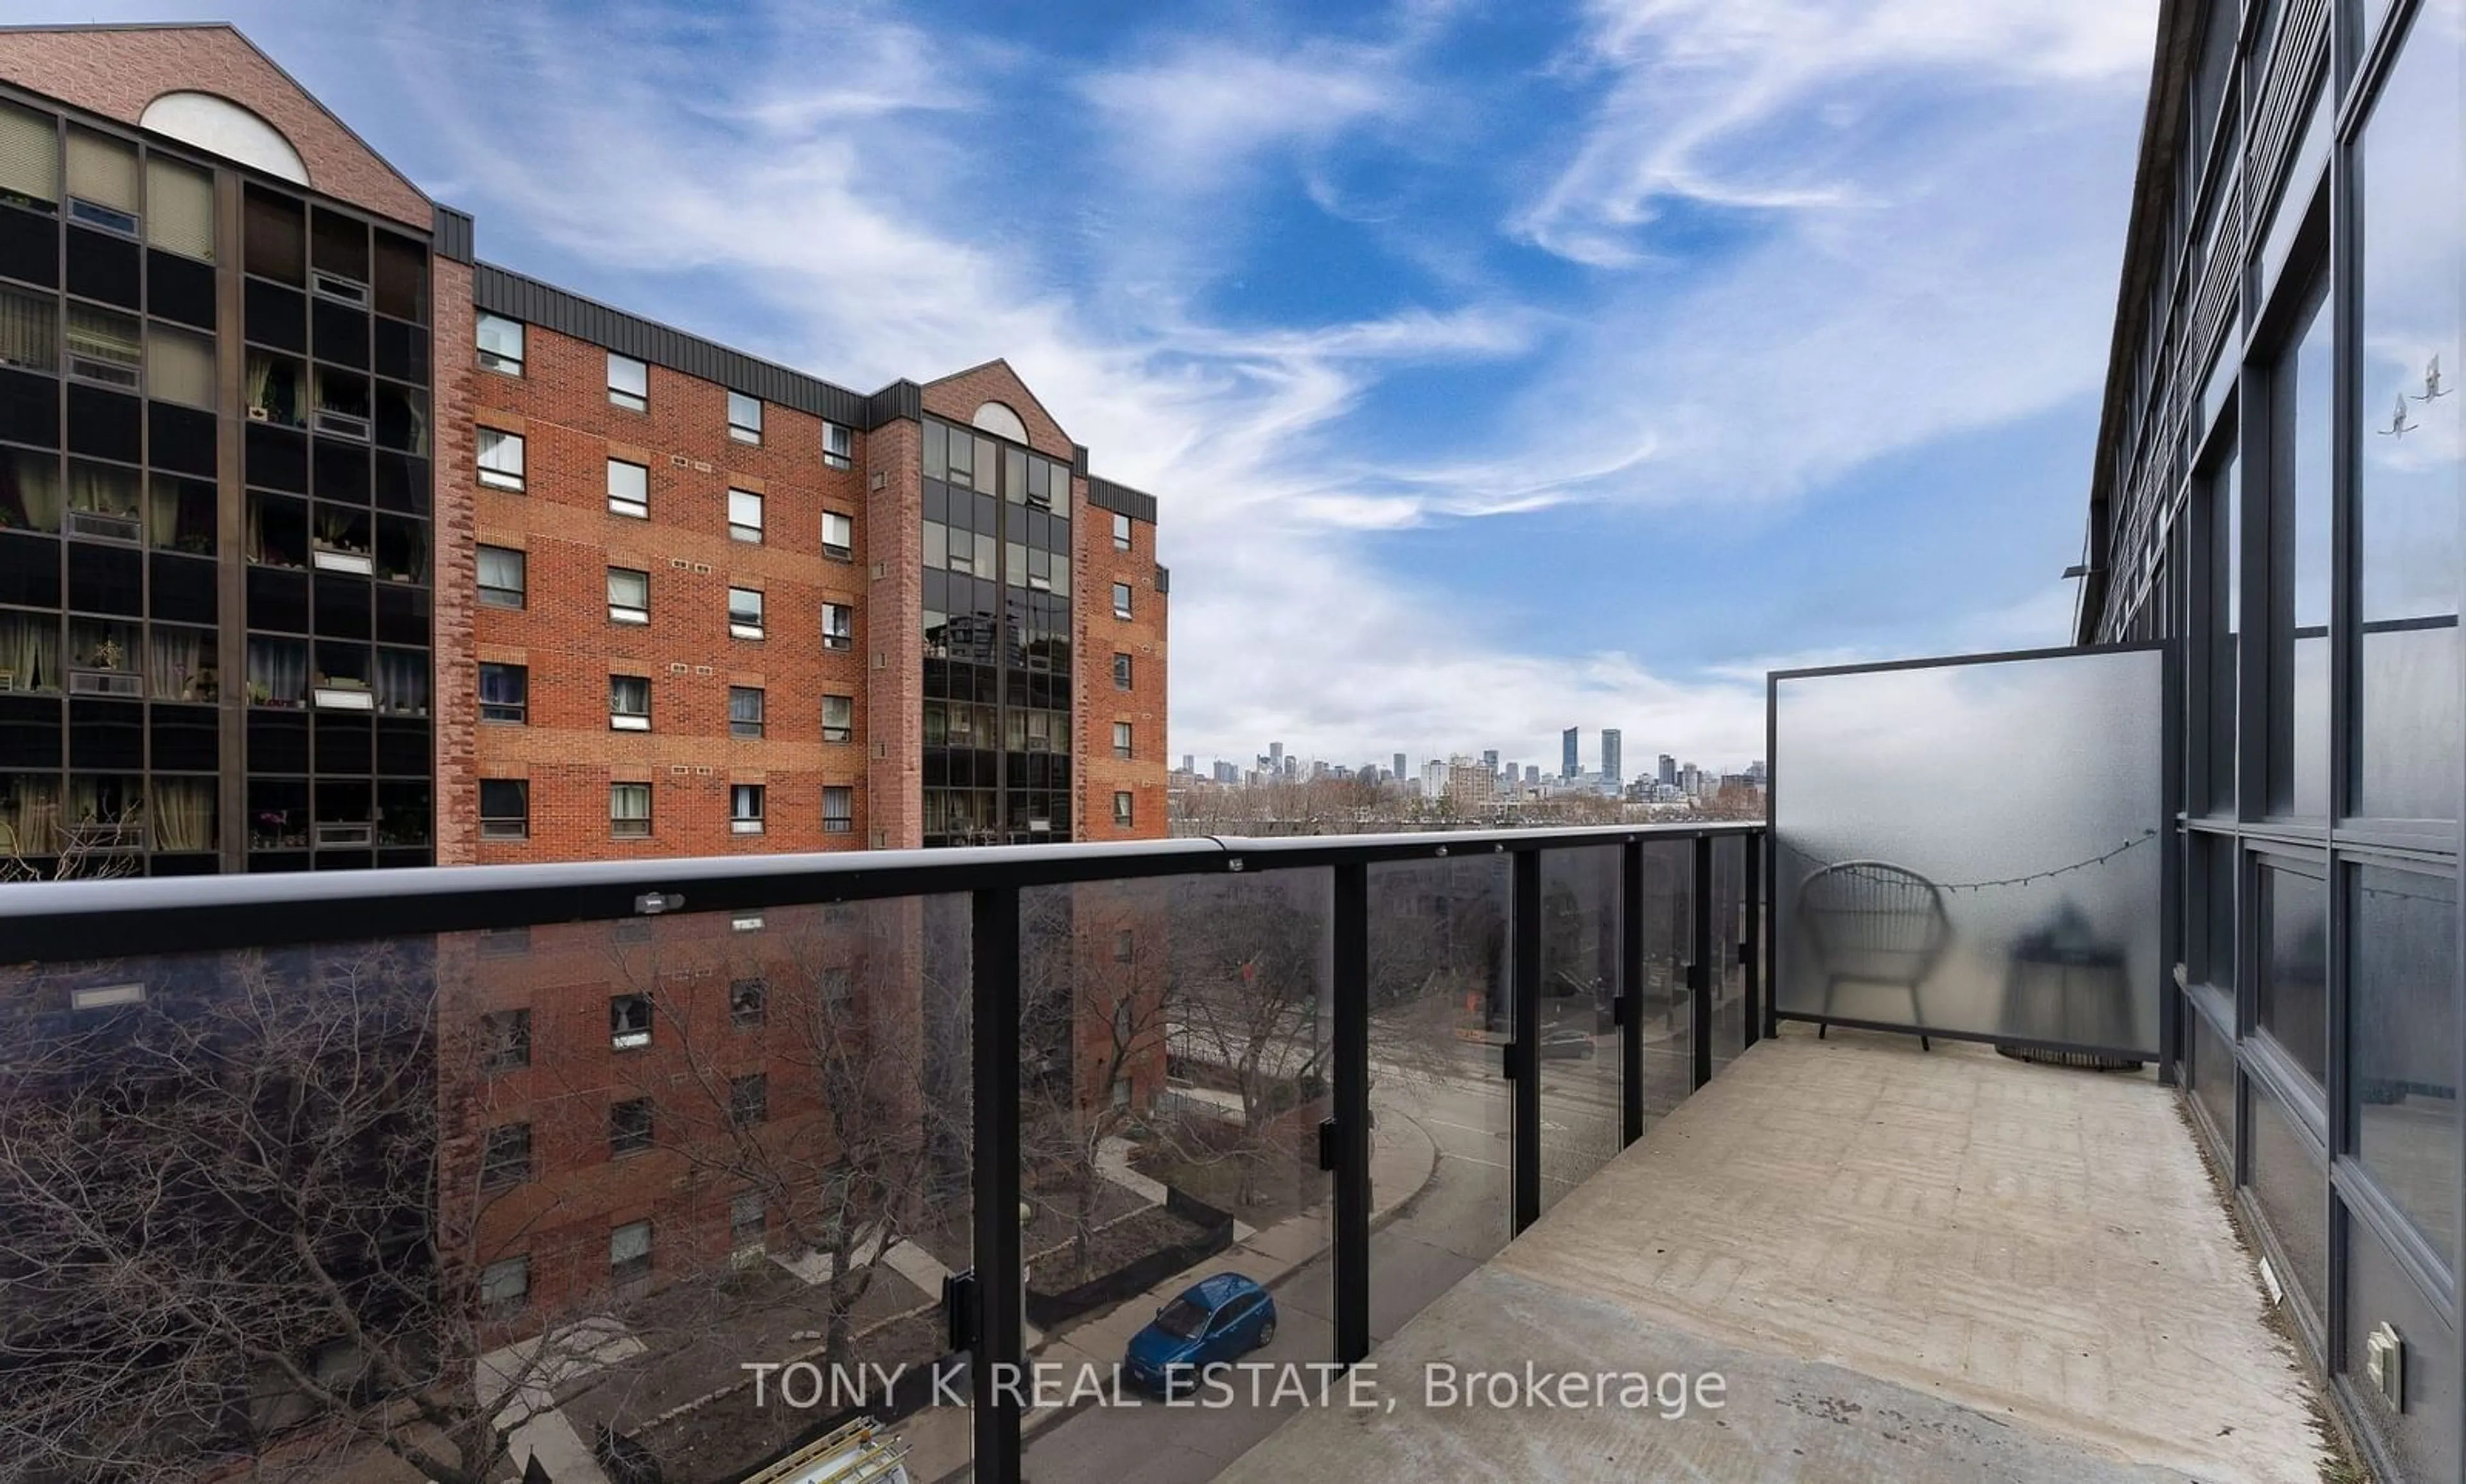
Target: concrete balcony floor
[{"x": 1904, "y": 1264}]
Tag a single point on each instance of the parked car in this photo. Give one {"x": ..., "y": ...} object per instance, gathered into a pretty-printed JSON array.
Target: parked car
[
  {"x": 1565, "y": 1044},
  {"x": 1219, "y": 1319}
]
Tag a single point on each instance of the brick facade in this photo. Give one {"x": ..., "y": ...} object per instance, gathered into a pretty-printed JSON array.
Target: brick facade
[
  {"x": 1100, "y": 637},
  {"x": 564, "y": 635}
]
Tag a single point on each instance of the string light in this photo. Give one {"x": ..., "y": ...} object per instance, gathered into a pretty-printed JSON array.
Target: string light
[{"x": 2136, "y": 840}]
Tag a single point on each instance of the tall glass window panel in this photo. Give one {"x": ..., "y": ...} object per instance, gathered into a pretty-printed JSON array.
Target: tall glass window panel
[
  {"x": 2412, "y": 215},
  {"x": 2302, "y": 415},
  {"x": 2402, "y": 1090},
  {"x": 2292, "y": 1000}
]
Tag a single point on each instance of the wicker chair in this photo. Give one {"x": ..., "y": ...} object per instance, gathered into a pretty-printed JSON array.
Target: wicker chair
[{"x": 1873, "y": 922}]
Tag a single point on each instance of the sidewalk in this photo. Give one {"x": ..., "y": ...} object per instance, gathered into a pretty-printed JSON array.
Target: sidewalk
[{"x": 1402, "y": 1160}]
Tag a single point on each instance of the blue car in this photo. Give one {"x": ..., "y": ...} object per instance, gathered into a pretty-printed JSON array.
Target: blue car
[{"x": 1218, "y": 1318}]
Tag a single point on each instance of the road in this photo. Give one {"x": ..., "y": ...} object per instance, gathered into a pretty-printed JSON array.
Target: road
[{"x": 1460, "y": 1219}]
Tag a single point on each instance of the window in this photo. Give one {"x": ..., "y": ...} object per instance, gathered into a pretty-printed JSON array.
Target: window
[
  {"x": 838, "y": 718},
  {"x": 629, "y": 595},
  {"x": 838, "y": 536},
  {"x": 1125, "y": 944},
  {"x": 629, "y": 810},
  {"x": 743, "y": 417},
  {"x": 179, "y": 208},
  {"x": 102, "y": 180},
  {"x": 1121, "y": 599},
  {"x": 501, "y": 343},
  {"x": 506, "y": 1286},
  {"x": 501, "y": 577},
  {"x": 1122, "y": 810},
  {"x": 1121, "y": 673},
  {"x": 747, "y": 1219},
  {"x": 744, "y": 613},
  {"x": 2402, "y": 956},
  {"x": 746, "y": 1000},
  {"x": 748, "y": 1100},
  {"x": 743, "y": 710},
  {"x": 501, "y": 459},
  {"x": 629, "y": 1027},
  {"x": 838, "y": 446},
  {"x": 838, "y": 626},
  {"x": 506, "y": 1160},
  {"x": 629, "y": 489},
  {"x": 745, "y": 515},
  {"x": 1121, "y": 532},
  {"x": 629, "y": 1254},
  {"x": 2293, "y": 936},
  {"x": 505, "y": 1039},
  {"x": 1121, "y": 739},
  {"x": 629, "y": 382},
  {"x": 838, "y": 810},
  {"x": 505, "y": 693},
  {"x": 745, "y": 808},
  {"x": 504, "y": 942},
  {"x": 629, "y": 1126},
  {"x": 103, "y": 346},
  {"x": 629, "y": 702},
  {"x": 505, "y": 809}
]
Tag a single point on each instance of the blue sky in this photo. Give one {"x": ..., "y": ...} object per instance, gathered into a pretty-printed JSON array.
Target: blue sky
[{"x": 1499, "y": 367}]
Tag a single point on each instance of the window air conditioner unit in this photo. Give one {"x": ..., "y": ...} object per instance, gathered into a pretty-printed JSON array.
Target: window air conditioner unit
[
  {"x": 346, "y": 834},
  {"x": 105, "y": 682},
  {"x": 115, "y": 373},
  {"x": 103, "y": 527},
  {"x": 333, "y": 286},
  {"x": 341, "y": 425},
  {"x": 342, "y": 561},
  {"x": 334, "y": 698}
]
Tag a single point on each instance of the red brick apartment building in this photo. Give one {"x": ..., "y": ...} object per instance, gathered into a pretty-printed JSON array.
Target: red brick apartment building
[{"x": 325, "y": 545}]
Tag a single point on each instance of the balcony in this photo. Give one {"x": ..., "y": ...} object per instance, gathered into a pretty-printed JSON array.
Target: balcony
[{"x": 622, "y": 1166}]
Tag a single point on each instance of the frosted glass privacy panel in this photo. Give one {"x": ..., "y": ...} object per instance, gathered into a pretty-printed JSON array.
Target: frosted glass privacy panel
[{"x": 1974, "y": 846}]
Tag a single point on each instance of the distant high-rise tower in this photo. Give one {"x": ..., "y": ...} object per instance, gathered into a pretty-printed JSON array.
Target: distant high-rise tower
[
  {"x": 1276, "y": 757},
  {"x": 1668, "y": 768},
  {"x": 1568, "y": 768},
  {"x": 1489, "y": 760},
  {"x": 1532, "y": 775},
  {"x": 1401, "y": 772},
  {"x": 1610, "y": 774}
]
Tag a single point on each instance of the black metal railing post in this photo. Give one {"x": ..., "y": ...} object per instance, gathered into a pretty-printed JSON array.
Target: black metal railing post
[
  {"x": 1630, "y": 992},
  {"x": 1751, "y": 881},
  {"x": 1524, "y": 1053},
  {"x": 1351, "y": 1114},
  {"x": 1703, "y": 960},
  {"x": 996, "y": 1364}
]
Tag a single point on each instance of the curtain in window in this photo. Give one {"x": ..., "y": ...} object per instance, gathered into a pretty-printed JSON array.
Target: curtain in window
[
  {"x": 254, "y": 536},
  {"x": 107, "y": 801},
  {"x": 103, "y": 169},
  {"x": 30, "y": 328},
  {"x": 278, "y": 671},
  {"x": 173, "y": 657},
  {"x": 29, "y": 491},
  {"x": 102, "y": 335},
  {"x": 30, "y": 155},
  {"x": 102, "y": 490},
  {"x": 179, "y": 208},
  {"x": 402, "y": 682},
  {"x": 186, "y": 525},
  {"x": 184, "y": 814},
  {"x": 180, "y": 367},
  {"x": 504, "y": 685},
  {"x": 30, "y": 652},
  {"x": 30, "y": 818}
]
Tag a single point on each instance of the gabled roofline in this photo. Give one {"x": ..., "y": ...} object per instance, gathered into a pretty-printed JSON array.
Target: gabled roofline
[{"x": 1003, "y": 362}]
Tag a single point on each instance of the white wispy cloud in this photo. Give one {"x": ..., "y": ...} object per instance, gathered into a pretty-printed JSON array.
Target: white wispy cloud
[{"x": 854, "y": 189}]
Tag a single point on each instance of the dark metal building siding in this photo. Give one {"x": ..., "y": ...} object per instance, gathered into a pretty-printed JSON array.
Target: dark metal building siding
[
  {"x": 451, "y": 235},
  {"x": 901, "y": 401},
  {"x": 503, "y": 291},
  {"x": 1121, "y": 500},
  {"x": 1164, "y": 580}
]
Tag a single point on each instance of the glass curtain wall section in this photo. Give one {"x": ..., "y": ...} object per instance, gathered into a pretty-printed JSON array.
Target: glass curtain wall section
[
  {"x": 996, "y": 641},
  {"x": 336, "y": 538},
  {"x": 2323, "y": 680},
  {"x": 110, "y": 623}
]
